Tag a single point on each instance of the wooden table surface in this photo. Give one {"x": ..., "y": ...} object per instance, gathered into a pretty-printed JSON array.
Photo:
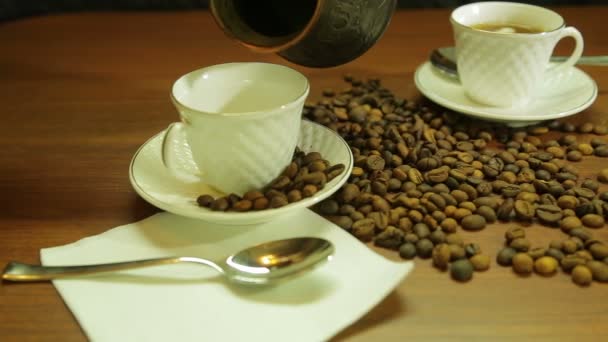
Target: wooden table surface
[{"x": 79, "y": 93}]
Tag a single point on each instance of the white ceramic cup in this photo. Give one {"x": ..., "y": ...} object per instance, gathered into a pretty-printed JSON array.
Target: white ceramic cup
[
  {"x": 241, "y": 122},
  {"x": 507, "y": 69}
]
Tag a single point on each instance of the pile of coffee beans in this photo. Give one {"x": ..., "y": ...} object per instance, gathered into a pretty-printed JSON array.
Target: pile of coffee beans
[
  {"x": 422, "y": 173},
  {"x": 584, "y": 257},
  {"x": 306, "y": 175}
]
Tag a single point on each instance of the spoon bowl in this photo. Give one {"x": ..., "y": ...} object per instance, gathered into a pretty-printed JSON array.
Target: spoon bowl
[{"x": 260, "y": 264}]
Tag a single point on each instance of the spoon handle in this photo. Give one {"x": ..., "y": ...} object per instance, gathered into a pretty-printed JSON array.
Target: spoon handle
[
  {"x": 585, "y": 60},
  {"x": 20, "y": 272}
]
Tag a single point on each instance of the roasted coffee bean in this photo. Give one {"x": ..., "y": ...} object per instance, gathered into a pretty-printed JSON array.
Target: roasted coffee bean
[
  {"x": 277, "y": 202},
  {"x": 438, "y": 175},
  {"x": 220, "y": 204},
  {"x": 473, "y": 222},
  {"x": 581, "y": 275},
  {"x": 438, "y": 200},
  {"x": 422, "y": 230},
  {"x": 379, "y": 188},
  {"x": 537, "y": 252},
  {"x": 341, "y": 221},
  {"x": 505, "y": 209},
  {"x": 569, "y": 223},
  {"x": 569, "y": 246},
  {"x": 380, "y": 204},
  {"x": 491, "y": 202},
  {"x": 349, "y": 192},
  {"x": 585, "y": 207},
  {"x": 487, "y": 213},
  {"x": 581, "y": 233},
  {"x": 524, "y": 210},
  {"x": 391, "y": 238},
  {"x": 599, "y": 270},
  {"x": 427, "y": 163},
  {"x": 522, "y": 263},
  {"x": 584, "y": 192},
  {"x": 411, "y": 237},
  {"x": 326, "y": 207},
  {"x": 515, "y": 233},
  {"x": 577, "y": 155},
  {"x": 470, "y": 206},
  {"x": 308, "y": 190},
  {"x": 242, "y": 205},
  {"x": 334, "y": 171},
  {"x": 600, "y": 129},
  {"x": 424, "y": 248},
  {"x": 568, "y": 262},
  {"x": 415, "y": 176},
  {"x": 545, "y": 266},
  {"x": 441, "y": 256},
  {"x": 357, "y": 215},
  {"x": 585, "y": 149},
  {"x": 599, "y": 250},
  {"x": 454, "y": 239},
  {"x": 601, "y": 151},
  {"x": 449, "y": 225},
  {"x": 520, "y": 244},
  {"x": 591, "y": 185},
  {"x": 584, "y": 254},
  {"x": 357, "y": 172},
  {"x": 380, "y": 219},
  {"x": 472, "y": 249},
  {"x": 363, "y": 229},
  {"x": 469, "y": 190},
  {"x": 480, "y": 262},
  {"x": 407, "y": 250},
  {"x": 204, "y": 200},
  {"x": 602, "y": 176},
  {"x": 461, "y": 270},
  {"x": 457, "y": 252},
  {"x": 505, "y": 256},
  {"x": 555, "y": 253},
  {"x": 595, "y": 142},
  {"x": 260, "y": 203},
  {"x": 567, "y": 202},
  {"x": 549, "y": 213},
  {"x": 437, "y": 236},
  {"x": 593, "y": 221}
]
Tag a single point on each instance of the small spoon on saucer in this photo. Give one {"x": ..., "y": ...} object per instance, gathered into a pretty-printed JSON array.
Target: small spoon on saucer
[
  {"x": 444, "y": 60},
  {"x": 260, "y": 264}
]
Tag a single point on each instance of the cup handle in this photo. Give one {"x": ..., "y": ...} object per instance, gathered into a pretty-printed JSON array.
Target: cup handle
[
  {"x": 167, "y": 145},
  {"x": 576, "y": 54}
]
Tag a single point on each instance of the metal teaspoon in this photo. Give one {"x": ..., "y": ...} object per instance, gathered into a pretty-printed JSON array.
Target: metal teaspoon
[{"x": 259, "y": 264}]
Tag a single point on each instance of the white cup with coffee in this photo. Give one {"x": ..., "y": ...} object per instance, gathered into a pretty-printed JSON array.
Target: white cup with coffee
[
  {"x": 503, "y": 50},
  {"x": 241, "y": 122}
]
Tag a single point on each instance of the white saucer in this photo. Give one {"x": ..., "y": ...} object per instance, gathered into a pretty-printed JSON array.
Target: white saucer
[
  {"x": 563, "y": 94},
  {"x": 154, "y": 183}
]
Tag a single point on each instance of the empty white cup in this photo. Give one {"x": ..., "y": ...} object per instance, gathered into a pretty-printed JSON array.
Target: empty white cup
[{"x": 241, "y": 122}]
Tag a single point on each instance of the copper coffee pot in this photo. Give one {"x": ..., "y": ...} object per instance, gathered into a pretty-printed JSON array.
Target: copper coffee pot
[{"x": 313, "y": 33}]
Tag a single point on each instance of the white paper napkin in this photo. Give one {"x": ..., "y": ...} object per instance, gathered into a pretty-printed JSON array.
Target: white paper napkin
[{"x": 193, "y": 303}]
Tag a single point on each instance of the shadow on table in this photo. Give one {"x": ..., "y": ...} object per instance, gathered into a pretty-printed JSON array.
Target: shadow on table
[{"x": 391, "y": 307}]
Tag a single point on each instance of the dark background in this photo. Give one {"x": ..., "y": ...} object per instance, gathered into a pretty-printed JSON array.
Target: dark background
[{"x": 14, "y": 9}]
